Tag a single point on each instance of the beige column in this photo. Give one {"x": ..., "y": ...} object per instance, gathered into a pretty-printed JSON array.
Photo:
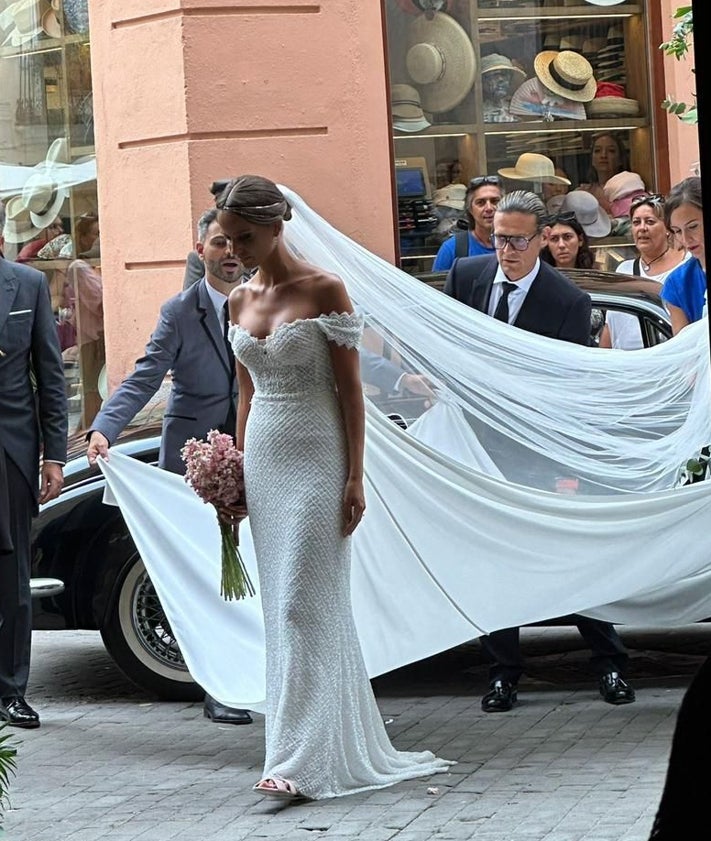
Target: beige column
[{"x": 195, "y": 90}]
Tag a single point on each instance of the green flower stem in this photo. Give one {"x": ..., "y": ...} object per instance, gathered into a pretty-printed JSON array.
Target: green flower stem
[{"x": 235, "y": 582}]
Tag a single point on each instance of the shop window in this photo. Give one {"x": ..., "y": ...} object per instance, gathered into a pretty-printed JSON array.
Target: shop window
[
  {"x": 48, "y": 178},
  {"x": 489, "y": 87}
]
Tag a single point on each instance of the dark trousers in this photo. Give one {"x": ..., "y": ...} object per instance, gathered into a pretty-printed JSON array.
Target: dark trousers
[
  {"x": 504, "y": 650},
  {"x": 15, "y": 594}
]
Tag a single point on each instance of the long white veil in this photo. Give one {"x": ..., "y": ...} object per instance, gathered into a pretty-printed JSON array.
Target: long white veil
[{"x": 464, "y": 532}]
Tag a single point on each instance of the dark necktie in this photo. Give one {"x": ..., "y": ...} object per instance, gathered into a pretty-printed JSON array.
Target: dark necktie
[
  {"x": 502, "y": 308},
  {"x": 225, "y": 329},
  {"x": 231, "y": 419}
]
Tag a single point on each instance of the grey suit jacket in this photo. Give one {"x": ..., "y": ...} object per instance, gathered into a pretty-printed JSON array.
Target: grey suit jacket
[
  {"x": 32, "y": 414},
  {"x": 188, "y": 341},
  {"x": 553, "y": 306}
]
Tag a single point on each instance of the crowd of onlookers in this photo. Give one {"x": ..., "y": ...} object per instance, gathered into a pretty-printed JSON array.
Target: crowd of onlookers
[{"x": 667, "y": 231}]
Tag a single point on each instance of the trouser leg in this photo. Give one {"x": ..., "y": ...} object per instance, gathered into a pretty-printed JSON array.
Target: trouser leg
[
  {"x": 608, "y": 651},
  {"x": 503, "y": 650},
  {"x": 15, "y": 594}
]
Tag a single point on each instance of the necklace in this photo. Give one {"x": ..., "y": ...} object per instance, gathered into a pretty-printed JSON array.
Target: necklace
[{"x": 658, "y": 257}]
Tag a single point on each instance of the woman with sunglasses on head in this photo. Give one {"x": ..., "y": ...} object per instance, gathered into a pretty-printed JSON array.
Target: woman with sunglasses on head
[
  {"x": 483, "y": 195},
  {"x": 567, "y": 245},
  {"x": 658, "y": 256},
  {"x": 684, "y": 290}
]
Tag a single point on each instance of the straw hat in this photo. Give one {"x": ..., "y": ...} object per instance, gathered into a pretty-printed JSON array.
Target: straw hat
[
  {"x": 593, "y": 219},
  {"x": 406, "y": 109},
  {"x": 533, "y": 167},
  {"x": 440, "y": 60},
  {"x": 613, "y": 106},
  {"x": 453, "y": 195},
  {"x": 496, "y": 61},
  {"x": 604, "y": 2},
  {"x": 566, "y": 73},
  {"x": 18, "y": 224}
]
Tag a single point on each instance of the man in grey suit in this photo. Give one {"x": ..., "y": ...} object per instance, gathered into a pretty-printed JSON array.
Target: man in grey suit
[
  {"x": 190, "y": 340},
  {"x": 516, "y": 287},
  {"x": 33, "y": 420}
]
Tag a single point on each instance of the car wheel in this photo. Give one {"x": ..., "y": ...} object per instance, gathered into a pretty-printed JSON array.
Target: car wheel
[{"x": 138, "y": 636}]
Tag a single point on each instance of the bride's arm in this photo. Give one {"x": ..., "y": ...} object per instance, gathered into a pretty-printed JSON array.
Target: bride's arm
[{"x": 245, "y": 388}]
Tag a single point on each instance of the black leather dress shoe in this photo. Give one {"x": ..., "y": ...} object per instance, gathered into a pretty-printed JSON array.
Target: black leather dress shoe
[
  {"x": 221, "y": 714},
  {"x": 500, "y": 698},
  {"x": 18, "y": 713},
  {"x": 614, "y": 690}
]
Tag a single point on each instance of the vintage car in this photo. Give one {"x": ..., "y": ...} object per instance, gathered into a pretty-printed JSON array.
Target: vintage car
[{"x": 88, "y": 574}]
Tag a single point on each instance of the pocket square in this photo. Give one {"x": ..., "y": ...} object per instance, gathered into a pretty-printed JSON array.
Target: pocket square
[{"x": 18, "y": 312}]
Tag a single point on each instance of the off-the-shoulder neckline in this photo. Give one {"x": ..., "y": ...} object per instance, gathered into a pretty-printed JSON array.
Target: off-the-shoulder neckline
[{"x": 291, "y": 323}]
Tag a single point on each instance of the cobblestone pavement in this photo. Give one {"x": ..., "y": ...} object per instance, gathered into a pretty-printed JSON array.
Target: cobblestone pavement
[{"x": 109, "y": 763}]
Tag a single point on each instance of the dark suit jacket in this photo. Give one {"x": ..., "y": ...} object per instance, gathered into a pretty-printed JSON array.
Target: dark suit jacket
[
  {"x": 31, "y": 413},
  {"x": 554, "y": 306},
  {"x": 188, "y": 341}
]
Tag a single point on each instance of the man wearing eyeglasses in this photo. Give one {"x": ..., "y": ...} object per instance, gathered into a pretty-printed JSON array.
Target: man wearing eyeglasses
[
  {"x": 516, "y": 287},
  {"x": 483, "y": 195}
]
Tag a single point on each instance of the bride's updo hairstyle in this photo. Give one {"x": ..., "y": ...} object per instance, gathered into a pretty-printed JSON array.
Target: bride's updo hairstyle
[{"x": 255, "y": 199}]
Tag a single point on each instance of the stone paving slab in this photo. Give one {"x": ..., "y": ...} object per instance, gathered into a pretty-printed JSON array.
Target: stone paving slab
[{"x": 110, "y": 764}]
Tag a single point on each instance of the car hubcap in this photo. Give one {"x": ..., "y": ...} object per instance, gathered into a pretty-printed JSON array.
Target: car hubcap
[{"x": 151, "y": 625}]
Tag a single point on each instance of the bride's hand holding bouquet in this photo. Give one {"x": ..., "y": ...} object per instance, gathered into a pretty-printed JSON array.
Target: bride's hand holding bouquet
[{"x": 214, "y": 470}]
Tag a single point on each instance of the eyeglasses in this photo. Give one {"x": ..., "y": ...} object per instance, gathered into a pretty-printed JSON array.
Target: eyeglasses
[
  {"x": 652, "y": 199},
  {"x": 568, "y": 216},
  {"x": 518, "y": 243},
  {"x": 485, "y": 179}
]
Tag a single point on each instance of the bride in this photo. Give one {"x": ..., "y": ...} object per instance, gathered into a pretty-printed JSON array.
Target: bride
[{"x": 300, "y": 422}]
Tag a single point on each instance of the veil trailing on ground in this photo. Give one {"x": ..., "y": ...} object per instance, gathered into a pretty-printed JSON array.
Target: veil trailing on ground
[{"x": 464, "y": 531}]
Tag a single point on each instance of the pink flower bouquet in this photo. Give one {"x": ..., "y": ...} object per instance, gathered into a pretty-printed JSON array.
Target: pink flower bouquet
[{"x": 214, "y": 471}]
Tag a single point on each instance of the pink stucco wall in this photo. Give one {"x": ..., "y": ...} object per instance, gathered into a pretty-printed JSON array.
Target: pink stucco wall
[
  {"x": 679, "y": 79},
  {"x": 193, "y": 91}
]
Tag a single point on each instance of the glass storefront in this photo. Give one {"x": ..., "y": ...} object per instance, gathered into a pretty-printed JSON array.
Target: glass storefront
[
  {"x": 48, "y": 178},
  {"x": 523, "y": 90}
]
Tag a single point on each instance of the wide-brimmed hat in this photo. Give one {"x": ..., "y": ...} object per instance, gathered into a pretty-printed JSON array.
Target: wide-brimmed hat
[
  {"x": 41, "y": 194},
  {"x": 440, "y": 61},
  {"x": 566, "y": 73},
  {"x": 604, "y": 2},
  {"x": 18, "y": 224},
  {"x": 496, "y": 61},
  {"x": 593, "y": 219},
  {"x": 613, "y": 106},
  {"x": 407, "y": 109},
  {"x": 453, "y": 195},
  {"x": 531, "y": 166}
]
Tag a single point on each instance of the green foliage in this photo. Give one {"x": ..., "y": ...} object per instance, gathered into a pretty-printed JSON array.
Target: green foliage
[
  {"x": 678, "y": 47},
  {"x": 7, "y": 765}
]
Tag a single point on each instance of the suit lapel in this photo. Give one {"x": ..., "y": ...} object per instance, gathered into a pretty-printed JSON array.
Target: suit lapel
[
  {"x": 212, "y": 327},
  {"x": 481, "y": 289},
  {"x": 9, "y": 285},
  {"x": 533, "y": 315}
]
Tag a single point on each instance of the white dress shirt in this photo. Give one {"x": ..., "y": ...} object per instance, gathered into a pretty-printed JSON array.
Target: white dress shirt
[{"x": 517, "y": 296}]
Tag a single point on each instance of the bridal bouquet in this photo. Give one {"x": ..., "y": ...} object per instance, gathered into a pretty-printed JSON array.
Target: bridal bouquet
[{"x": 214, "y": 471}]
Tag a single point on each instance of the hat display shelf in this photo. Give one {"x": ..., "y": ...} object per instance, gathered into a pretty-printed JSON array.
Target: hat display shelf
[{"x": 607, "y": 42}]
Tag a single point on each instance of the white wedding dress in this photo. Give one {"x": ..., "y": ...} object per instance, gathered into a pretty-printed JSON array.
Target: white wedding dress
[{"x": 323, "y": 727}]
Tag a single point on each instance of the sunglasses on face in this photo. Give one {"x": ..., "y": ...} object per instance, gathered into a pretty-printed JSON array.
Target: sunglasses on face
[
  {"x": 652, "y": 199},
  {"x": 485, "y": 179}
]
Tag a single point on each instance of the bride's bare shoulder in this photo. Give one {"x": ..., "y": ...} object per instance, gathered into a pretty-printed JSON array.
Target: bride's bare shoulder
[{"x": 330, "y": 292}]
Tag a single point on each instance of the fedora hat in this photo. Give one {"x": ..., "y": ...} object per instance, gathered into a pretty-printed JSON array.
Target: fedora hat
[
  {"x": 41, "y": 196},
  {"x": 406, "y": 109},
  {"x": 453, "y": 195},
  {"x": 440, "y": 61},
  {"x": 496, "y": 61},
  {"x": 593, "y": 219},
  {"x": 18, "y": 224},
  {"x": 566, "y": 73},
  {"x": 531, "y": 166}
]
